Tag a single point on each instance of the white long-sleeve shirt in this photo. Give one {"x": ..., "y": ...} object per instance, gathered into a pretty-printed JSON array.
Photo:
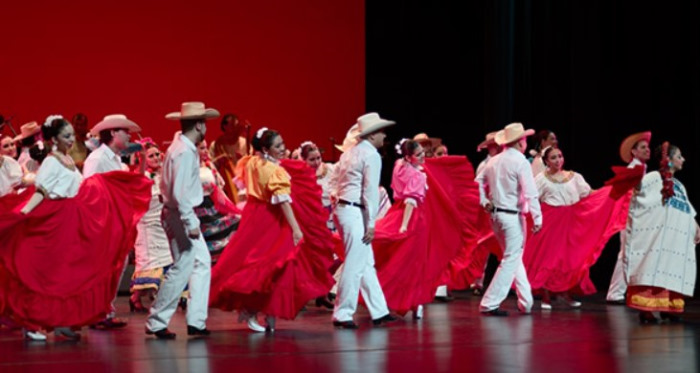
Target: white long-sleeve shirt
[
  {"x": 102, "y": 160},
  {"x": 10, "y": 175},
  {"x": 356, "y": 178},
  {"x": 508, "y": 178},
  {"x": 180, "y": 186}
]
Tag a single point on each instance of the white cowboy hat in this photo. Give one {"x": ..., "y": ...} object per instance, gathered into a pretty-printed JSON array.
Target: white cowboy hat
[
  {"x": 630, "y": 142},
  {"x": 113, "y": 121},
  {"x": 512, "y": 132},
  {"x": 370, "y": 123},
  {"x": 427, "y": 142},
  {"x": 193, "y": 110},
  {"x": 490, "y": 139},
  {"x": 27, "y": 130},
  {"x": 350, "y": 139}
]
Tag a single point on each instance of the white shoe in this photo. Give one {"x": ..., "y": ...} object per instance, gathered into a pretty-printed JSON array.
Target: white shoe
[
  {"x": 574, "y": 304},
  {"x": 418, "y": 312},
  {"x": 546, "y": 306},
  {"x": 254, "y": 326},
  {"x": 34, "y": 335}
]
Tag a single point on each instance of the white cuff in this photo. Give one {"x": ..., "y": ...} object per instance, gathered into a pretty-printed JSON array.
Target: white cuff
[
  {"x": 280, "y": 198},
  {"x": 410, "y": 201}
]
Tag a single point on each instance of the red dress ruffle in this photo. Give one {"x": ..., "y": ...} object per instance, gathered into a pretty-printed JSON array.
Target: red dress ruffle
[
  {"x": 411, "y": 265},
  {"x": 261, "y": 269},
  {"x": 558, "y": 258},
  {"x": 60, "y": 264}
]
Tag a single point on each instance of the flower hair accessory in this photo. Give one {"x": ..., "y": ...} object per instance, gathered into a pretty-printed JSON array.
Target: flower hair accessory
[
  {"x": 398, "y": 146},
  {"x": 260, "y": 132},
  {"x": 544, "y": 151},
  {"x": 146, "y": 140},
  {"x": 51, "y": 118},
  {"x": 305, "y": 143}
]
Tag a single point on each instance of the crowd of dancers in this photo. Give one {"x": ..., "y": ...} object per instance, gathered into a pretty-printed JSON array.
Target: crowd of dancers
[{"x": 247, "y": 225}]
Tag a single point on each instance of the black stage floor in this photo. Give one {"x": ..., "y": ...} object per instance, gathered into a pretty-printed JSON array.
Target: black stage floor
[{"x": 453, "y": 337}]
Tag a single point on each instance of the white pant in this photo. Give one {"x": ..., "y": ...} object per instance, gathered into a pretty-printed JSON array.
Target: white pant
[
  {"x": 358, "y": 273},
  {"x": 509, "y": 230},
  {"x": 618, "y": 282},
  {"x": 192, "y": 263}
]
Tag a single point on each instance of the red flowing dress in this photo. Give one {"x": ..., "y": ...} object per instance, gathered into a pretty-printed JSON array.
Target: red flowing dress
[
  {"x": 61, "y": 263},
  {"x": 261, "y": 269},
  {"x": 411, "y": 265}
]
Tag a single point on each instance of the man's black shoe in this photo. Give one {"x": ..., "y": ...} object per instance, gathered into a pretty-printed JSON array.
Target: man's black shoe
[
  {"x": 161, "y": 334},
  {"x": 191, "y": 330},
  {"x": 345, "y": 324},
  {"x": 495, "y": 312},
  {"x": 385, "y": 319}
]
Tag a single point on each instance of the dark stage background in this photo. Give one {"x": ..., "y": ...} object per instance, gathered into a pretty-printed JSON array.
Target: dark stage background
[{"x": 591, "y": 71}]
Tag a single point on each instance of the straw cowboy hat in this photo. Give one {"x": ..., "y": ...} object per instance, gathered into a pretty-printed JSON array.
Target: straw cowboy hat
[
  {"x": 28, "y": 130},
  {"x": 193, "y": 110},
  {"x": 427, "y": 142},
  {"x": 512, "y": 132},
  {"x": 490, "y": 139},
  {"x": 350, "y": 139},
  {"x": 114, "y": 121},
  {"x": 370, "y": 123},
  {"x": 630, "y": 142}
]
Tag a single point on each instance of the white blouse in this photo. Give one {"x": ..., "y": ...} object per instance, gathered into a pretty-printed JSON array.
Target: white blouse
[
  {"x": 57, "y": 180},
  {"x": 564, "y": 193},
  {"x": 324, "y": 181},
  {"x": 10, "y": 175}
]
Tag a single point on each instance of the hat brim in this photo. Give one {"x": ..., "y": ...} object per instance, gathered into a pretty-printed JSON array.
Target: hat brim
[
  {"x": 434, "y": 142},
  {"x": 21, "y": 137},
  {"x": 501, "y": 138},
  {"x": 113, "y": 124},
  {"x": 380, "y": 125},
  {"x": 484, "y": 144},
  {"x": 629, "y": 142},
  {"x": 208, "y": 114}
]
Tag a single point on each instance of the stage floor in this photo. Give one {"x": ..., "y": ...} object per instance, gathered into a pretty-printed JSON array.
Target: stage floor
[{"x": 452, "y": 337}]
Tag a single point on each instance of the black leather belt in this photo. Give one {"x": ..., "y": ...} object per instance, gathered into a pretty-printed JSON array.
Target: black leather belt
[
  {"x": 498, "y": 209},
  {"x": 358, "y": 205}
]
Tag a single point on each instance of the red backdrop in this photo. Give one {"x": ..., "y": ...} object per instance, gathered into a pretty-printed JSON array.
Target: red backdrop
[{"x": 296, "y": 66}]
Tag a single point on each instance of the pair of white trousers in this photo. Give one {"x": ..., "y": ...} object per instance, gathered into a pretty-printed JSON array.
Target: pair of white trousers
[
  {"x": 191, "y": 264},
  {"x": 618, "y": 282},
  {"x": 358, "y": 274},
  {"x": 509, "y": 230}
]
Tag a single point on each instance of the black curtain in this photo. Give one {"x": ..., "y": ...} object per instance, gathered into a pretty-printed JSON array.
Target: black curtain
[{"x": 591, "y": 71}]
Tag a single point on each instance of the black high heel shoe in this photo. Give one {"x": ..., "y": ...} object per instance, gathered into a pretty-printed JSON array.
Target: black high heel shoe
[
  {"x": 182, "y": 304},
  {"x": 323, "y": 302},
  {"x": 646, "y": 317},
  {"x": 66, "y": 334},
  {"x": 672, "y": 318}
]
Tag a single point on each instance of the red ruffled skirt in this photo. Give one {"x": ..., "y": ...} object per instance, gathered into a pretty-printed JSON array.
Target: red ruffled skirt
[
  {"x": 558, "y": 258},
  {"x": 60, "y": 264},
  {"x": 411, "y": 265},
  {"x": 261, "y": 269}
]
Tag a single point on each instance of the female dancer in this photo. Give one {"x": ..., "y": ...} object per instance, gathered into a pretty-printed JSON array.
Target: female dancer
[
  {"x": 152, "y": 247},
  {"x": 53, "y": 277},
  {"x": 268, "y": 268}
]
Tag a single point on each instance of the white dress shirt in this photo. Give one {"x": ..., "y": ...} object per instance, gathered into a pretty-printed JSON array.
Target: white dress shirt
[
  {"x": 102, "y": 160},
  {"x": 508, "y": 178},
  {"x": 181, "y": 186},
  {"x": 57, "y": 180},
  {"x": 10, "y": 175},
  {"x": 483, "y": 164},
  {"x": 356, "y": 178}
]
